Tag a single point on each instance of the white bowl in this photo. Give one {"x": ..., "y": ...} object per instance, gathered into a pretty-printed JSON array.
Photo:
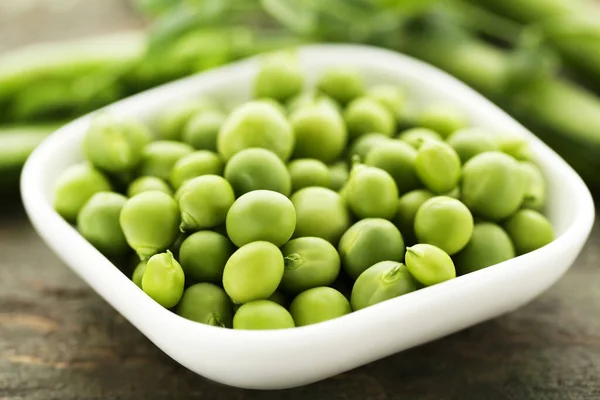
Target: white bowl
[{"x": 294, "y": 357}]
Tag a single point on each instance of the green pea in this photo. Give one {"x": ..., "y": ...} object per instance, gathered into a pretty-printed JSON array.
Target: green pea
[
  {"x": 256, "y": 124},
  {"x": 438, "y": 166},
  {"x": 262, "y": 315},
  {"x": 514, "y": 146},
  {"x": 472, "y": 141},
  {"x": 173, "y": 120},
  {"x": 489, "y": 245},
  {"x": 309, "y": 262},
  {"x": 159, "y": 158},
  {"x": 257, "y": 169},
  {"x": 342, "y": 84},
  {"x": 368, "y": 242},
  {"x": 391, "y": 97},
  {"x": 492, "y": 185},
  {"x": 138, "y": 273},
  {"x": 150, "y": 222},
  {"x": 208, "y": 304},
  {"x": 202, "y": 130},
  {"x": 146, "y": 183},
  {"x": 363, "y": 145},
  {"x": 203, "y": 256},
  {"x": 529, "y": 230},
  {"x": 279, "y": 77},
  {"x": 253, "y": 272},
  {"x": 320, "y": 212},
  {"x": 198, "y": 163},
  {"x": 307, "y": 172},
  {"x": 380, "y": 282},
  {"x": 444, "y": 222},
  {"x": 443, "y": 119},
  {"x": 417, "y": 136},
  {"x": 408, "y": 205},
  {"x": 308, "y": 99},
  {"x": 371, "y": 193},
  {"x": 75, "y": 186},
  {"x": 365, "y": 115},
  {"x": 261, "y": 215},
  {"x": 535, "y": 186},
  {"x": 318, "y": 305},
  {"x": 98, "y": 223},
  {"x": 115, "y": 144},
  {"x": 338, "y": 175},
  {"x": 429, "y": 264},
  {"x": 204, "y": 202},
  {"x": 398, "y": 159},
  {"x": 163, "y": 279}
]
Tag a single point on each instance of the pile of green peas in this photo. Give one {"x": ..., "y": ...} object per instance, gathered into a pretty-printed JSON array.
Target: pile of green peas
[{"x": 302, "y": 204}]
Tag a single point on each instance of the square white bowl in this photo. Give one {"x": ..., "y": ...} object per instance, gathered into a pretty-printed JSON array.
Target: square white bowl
[{"x": 294, "y": 357}]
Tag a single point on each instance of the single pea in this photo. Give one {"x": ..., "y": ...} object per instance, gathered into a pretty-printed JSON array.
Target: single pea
[
  {"x": 372, "y": 192},
  {"x": 529, "y": 231},
  {"x": 365, "y": 115},
  {"x": 75, "y": 186},
  {"x": 309, "y": 262},
  {"x": 115, "y": 144},
  {"x": 203, "y": 256},
  {"x": 363, "y": 145},
  {"x": 146, "y": 183},
  {"x": 279, "y": 76},
  {"x": 342, "y": 84},
  {"x": 382, "y": 281},
  {"x": 160, "y": 156},
  {"x": 257, "y": 169},
  {"x": 438, "y": 166},
  {"x": 262, "y": 315},
  {"x": 320, "y": 212},
  {"x": 443, "y": 119},
  {"x": 493, "y": 186},
  {"x": 198, "y": 163},
  {"x": 444, "y": 222},
  {"x": 338, "y": 175},
  {"x": 514, "y": 146},
  {"x": 368, "y": 242},
  {"x": 307, "y": 172},
  {"x": 469, "y": 142},
  {"x": 279, "y": 298},
  {"x": 204, "y": 202},
  {"x": 163, "y": 279},
  {"x": 408, "y": 205},
  {"x": 489, "y": 245},
  {"x": 253, "y": 272},
  {"x": 307, "y": 99},
  {"x": 172, "y": 121},
  {"x": 261, "y": 215},
  {"x": 150, "y": 222},
  {"x": 318, "y": 305},
  {"x": 417, "y": 136},
  {"x": 208, "y": 304},
  {"x": 398, "y": 159},
  {"x": 138, "y": 273},
  {"x": 98, "y": 223},
  {"x": 256, "y": 124},
  {"x": 429, "y": 264},
  {"x": 535, "y": 186},
  {"x": 391, "y": 97},
  {"x": 319, "y": 130},
  {"x": 203, "y": 128}
]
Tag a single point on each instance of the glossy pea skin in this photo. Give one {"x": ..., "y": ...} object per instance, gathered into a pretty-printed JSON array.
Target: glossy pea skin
[
  {"x": 138, "y": 273},
  {"x": 203, "y": 256},
  {"x": 408, "y": 205},
  {"x": 115, "y": 144},
  {"x": 307, "y": 172},
  {"x": 438, "y": 166},
  {"x": 208, "y": 304},
  {"x": 443, "y": 119},
  {"x": 262, "y": 315},
  {"x": 368, "y": 242},
  {"x": 261, "y": 215},
  {"x": 535, "y": 186},
  {"x": 172, "y": 122},
  {"x": 98, "y": 223},
  {"x": 342, "y": 84},
  {"x": 380, "y": 282},
  {"x": 489, "y": 245},
  {"x": 253, "y": 272},
  {"x": 204, "y": 202},
  {"x": 429, "y": 264},
  {"x": 279, "y": 76},
  {"x": 417, "y": 136},
  {"x": 198, "y": 163},
  {"x": 338, "y": 175},
  {"x": 363, "y": 145},
  {"x": 529, "y": 230},
  {"x": 391, "y": 97},
  {"x": 492, "y": 185},
  {"x": 309, "y": 262},
  {"x": 163, "y": 279},
  {"x": 75, "y": 186},
  {"x": 514, "y": 146},
  {"x": 150, "y": 222},
  {"x": 202, "y": 130},
  {"x": 257, "y": 169},
  {"x": 318, "y": 305},
  {"x": 320, "y": 212},
  {"x": 472, "y": 141},
  {"x": 256, "y": 124},
  {"x": 147, "y": 183},
  {"x": 160, "y": 156},
  {"x": 399, "y": 160},
  {"x": 371, "y": 193},
  {"x": 365, "y": 115},
  {"x": 444, "y": 222}
]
